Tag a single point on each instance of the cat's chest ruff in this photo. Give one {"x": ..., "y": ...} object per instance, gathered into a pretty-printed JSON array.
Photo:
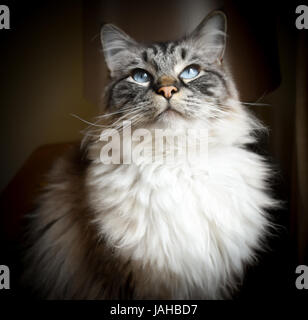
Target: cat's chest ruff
[
  {"x": 200, "y": 222},
  {"x": 169, "y": 203}
]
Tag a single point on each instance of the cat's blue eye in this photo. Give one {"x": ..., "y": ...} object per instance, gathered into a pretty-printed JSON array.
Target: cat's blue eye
[
  {"x": 189, "y": 73},
  {"x": 140, "y": 75}
]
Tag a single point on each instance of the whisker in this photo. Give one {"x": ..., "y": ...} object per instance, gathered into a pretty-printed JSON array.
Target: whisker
[
  {"x": 85, "y": 121},
  {"x": 256, "y": 104}
]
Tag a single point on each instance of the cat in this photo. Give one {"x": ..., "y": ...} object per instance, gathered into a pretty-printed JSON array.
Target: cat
[{"x": 147, "y": 229}]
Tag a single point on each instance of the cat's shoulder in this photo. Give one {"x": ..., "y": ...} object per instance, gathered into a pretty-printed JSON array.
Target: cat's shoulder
[{"x": 72, "y": 163}]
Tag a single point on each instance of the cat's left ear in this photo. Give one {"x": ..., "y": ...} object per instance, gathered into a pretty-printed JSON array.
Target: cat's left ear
[
  {"x": 117, "y": 47},
  {"x": 210, "y": 35}
]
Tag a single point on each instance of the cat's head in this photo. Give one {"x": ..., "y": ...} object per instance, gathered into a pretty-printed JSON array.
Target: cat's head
[{"x": 169, "y": 81}]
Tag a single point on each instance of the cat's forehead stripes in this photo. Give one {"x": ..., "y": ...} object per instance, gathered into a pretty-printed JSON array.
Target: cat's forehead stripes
[
  {"x": 133, "y": 63},
  {"x": 145, "y": 56},
  {"x": 165, "y": 48},
  {"x": 164, "y": 56}
]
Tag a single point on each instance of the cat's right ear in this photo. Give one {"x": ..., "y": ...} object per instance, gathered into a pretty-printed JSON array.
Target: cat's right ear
[
  {"x": 210, "y": 35},
  {"x": 117, "y": 46}
]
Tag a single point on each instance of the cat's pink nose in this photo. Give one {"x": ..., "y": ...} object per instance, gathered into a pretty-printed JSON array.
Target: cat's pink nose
[{"x": 167, "y": 91}]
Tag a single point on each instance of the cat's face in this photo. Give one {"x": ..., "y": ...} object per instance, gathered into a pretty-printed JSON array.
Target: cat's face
[{"x": 166, "y": 82}]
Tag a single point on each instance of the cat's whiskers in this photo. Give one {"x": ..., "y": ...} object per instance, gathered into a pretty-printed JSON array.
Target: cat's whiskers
[
  {"x": 256, "y": 103},
  {"x": 121, "y": 110},
  {"x": 87, "y": 122}
]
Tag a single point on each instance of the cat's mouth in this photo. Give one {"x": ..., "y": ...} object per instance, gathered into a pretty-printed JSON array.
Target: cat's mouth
[{"x": 169, "y": 113}]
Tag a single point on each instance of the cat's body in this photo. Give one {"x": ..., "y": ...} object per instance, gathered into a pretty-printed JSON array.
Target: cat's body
[{"x": 173, "y": 230}]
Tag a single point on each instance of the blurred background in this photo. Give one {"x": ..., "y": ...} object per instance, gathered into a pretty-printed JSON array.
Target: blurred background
[{"x": 52, "y": 66}]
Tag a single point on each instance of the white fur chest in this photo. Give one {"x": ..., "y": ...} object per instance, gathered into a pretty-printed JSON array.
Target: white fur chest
[{"x": 200, "y": 223}]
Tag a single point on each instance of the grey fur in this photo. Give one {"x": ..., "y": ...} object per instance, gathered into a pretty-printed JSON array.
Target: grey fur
[{"x": 68, "y": 257}]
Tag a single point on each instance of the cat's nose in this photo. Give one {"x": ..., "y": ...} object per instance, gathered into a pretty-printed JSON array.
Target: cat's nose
[{"x": 167, "y": 91}]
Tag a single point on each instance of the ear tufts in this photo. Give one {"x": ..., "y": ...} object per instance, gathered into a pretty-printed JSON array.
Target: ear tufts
[
  {"x": 116, "y": 44},
  {"x": 210, "y": 35}
]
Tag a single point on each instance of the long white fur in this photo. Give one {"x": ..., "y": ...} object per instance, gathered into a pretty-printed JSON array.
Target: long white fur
[
  {"x": 194, "y": 224},
  {"x": 201, "y": 222}
]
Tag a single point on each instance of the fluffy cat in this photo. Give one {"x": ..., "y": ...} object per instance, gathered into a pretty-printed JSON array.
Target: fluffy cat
[{"x": 147, "y": 229}]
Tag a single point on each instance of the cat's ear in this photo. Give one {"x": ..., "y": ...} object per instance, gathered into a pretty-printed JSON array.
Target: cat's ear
[
  {"x": 210, "y": 35},
  {"x": 117, "y": 46}
]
